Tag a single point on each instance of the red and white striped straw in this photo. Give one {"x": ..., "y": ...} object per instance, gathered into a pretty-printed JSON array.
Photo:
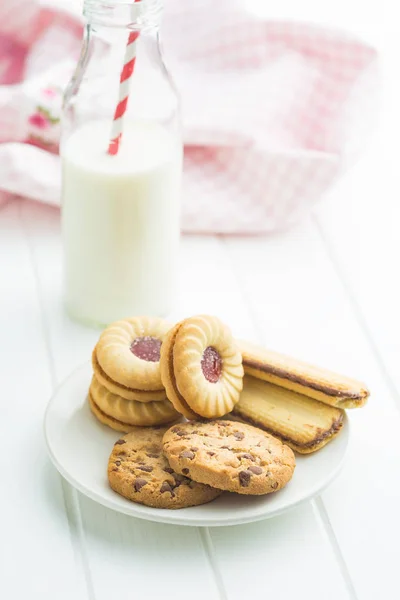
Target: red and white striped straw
[{"x": 123, "y": 96}]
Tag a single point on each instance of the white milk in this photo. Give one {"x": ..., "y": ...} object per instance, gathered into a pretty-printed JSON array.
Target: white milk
[{"x": 120, "y": 217}]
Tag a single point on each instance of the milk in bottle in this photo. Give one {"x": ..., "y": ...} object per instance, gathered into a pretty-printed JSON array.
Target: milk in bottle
[{"x": 120, "y": 222}]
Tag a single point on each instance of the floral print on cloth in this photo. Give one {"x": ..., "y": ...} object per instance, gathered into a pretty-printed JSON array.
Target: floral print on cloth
[{"x": 273, "y": 112}]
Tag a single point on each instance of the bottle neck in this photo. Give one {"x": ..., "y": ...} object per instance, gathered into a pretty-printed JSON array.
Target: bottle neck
[
  {"x": 106, "y": 58},
  {"x": 139, "y": 15}
]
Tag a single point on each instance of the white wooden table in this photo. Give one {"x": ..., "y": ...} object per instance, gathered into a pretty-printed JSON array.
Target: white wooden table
[{"x": 327, "y": 291}]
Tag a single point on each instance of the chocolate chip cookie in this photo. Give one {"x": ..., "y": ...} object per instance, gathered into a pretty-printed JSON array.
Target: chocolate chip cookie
[
  {"x": 138, "y": 470},
  {"x": 229, "y": 456}
]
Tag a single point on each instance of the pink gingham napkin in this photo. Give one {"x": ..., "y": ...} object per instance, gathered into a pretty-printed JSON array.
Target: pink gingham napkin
[{"x": 273, "y": 112}]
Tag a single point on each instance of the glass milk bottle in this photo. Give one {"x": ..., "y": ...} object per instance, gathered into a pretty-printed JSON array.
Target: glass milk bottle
[{"x": 121, "y": 152}]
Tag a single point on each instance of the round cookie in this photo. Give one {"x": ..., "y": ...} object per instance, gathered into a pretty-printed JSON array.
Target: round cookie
[
  {"x": 201, "y": 368},
  {"x": 230, "y": 456},
  {"x": 138, "y": 470},
  {"x": 130, "y": 412},
  {"x": 128, "y": 352},
  {"x": 109, "y": 421},
  {"x": 121, "y": 390}
]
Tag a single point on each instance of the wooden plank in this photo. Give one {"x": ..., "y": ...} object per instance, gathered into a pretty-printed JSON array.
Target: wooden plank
[
  {"x": 364, "y": 212},
  {"x": 284, "y": 553},
  {"x": 37, "y": 555},
  {"x": 358, "y": 223},
  {"x": 301, "y": 307}
]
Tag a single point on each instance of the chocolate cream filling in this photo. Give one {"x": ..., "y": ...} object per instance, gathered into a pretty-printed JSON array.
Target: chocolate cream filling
[
  {"x": 320, "y": 387},
  {"x": 335, "y": 427}
]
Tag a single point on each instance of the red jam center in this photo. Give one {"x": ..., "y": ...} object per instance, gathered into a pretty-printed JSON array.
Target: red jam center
[
  {"x": 147, "y": 348},
  {"x": 211, "y": 364}
]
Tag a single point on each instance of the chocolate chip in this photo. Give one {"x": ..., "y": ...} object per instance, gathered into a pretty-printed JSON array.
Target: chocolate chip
[
  {"x": 225, "y": 447},
  {"x": 194, "y": 449},
  {"x": 248, "y": 456},
  {"x": 239, "y": 435},
  {"x": 244, "y": 478},
  {"x": 254, "y": 469},
  {"x": 115, "y": 469},
  {"x": 139, "y": 483},
  {"x": 117, "y": 462},
  {"x": 119, "y": 442},
  {"x": 211, "y": 453},
  {"x": 274, "y": 485},
  {"x": 179, "y": 431},
  {"x": 166, "y": 487},
  {"x": 178, "y": 480},
  {"x": 152, "y": 455},
  {"x": 185, "y": 471},
  {"x": 146, "y": 468},
  {"x": 168, "y": 470},
  {"x": 187, "y": 454}
]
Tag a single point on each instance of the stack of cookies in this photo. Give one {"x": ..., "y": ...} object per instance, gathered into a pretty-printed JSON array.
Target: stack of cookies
[
  {"x": 147, "y": 373},
  {"x": 126, "y": 389}
]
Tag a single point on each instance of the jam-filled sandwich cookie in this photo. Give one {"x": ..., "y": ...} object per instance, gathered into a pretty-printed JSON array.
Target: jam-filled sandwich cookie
[
  {"x": 201, "y": 368},
  {"x": 121, "y": 414},
  {"x": 315, "y": 382},
  {"x": 138, "y": 471},
  {"x": 126, "y": 358},
  {"x": 229, "y": 456}
]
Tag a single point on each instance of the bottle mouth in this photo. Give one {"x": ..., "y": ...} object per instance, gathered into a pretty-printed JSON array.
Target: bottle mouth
[{"x": 139, "y": 14}]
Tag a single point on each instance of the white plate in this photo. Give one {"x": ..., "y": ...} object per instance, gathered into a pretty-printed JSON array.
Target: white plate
[{"x": 79, "y": 446}]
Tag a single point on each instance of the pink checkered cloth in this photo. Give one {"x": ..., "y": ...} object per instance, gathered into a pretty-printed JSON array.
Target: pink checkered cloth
[{"x": 273, "y": 111}]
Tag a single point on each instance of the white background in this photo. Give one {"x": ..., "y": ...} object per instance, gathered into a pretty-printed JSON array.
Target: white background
[{"x": 327, "y": 291}]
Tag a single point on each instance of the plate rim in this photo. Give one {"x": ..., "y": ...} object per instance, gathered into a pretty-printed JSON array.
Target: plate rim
[{"x": 172, "y": 516}]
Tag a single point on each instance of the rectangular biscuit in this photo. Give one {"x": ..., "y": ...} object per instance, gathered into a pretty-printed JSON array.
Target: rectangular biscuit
[
  {"x": 302, "y": 423},
  {"x": 315, "y": 382}
]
